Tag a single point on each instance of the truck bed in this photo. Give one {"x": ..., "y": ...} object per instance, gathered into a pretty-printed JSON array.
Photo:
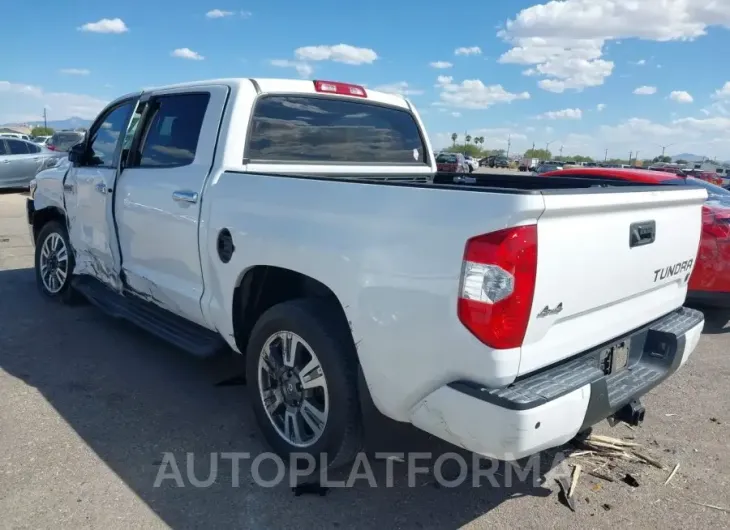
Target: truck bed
[{"x": 495, "y": 183}]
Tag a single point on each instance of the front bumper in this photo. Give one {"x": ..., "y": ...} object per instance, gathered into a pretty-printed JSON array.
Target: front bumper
[{"x": 548, "y": 408}]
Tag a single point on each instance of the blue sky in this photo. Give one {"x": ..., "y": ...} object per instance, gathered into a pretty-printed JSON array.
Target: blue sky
[{"x": 539, "y": 72}]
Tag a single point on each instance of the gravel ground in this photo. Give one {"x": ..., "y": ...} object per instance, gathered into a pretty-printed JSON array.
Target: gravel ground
[{"x": 88, "y": 406}]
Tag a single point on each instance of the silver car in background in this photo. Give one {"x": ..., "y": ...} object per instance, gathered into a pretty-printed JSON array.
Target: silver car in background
[{"x": 20, "y": 161}]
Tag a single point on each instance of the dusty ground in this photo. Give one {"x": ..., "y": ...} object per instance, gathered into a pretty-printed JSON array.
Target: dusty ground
[{"x": 88, "y": 406}]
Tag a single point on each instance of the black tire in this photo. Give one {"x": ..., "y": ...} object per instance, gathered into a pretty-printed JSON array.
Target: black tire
[
  {"x": 325, "y": 331},
  {"x": 66, "y": 294},
  {"x": 471, "y": 169}
]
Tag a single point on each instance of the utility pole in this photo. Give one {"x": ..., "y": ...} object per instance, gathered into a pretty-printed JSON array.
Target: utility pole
[
  {"x": 45, "y": 119},
  {"x": 631, "y": 153},
  {"x": 547, "y": 147},
  {"x": 605, "y": 158},
  {"x": 664, "y": 148},
  {"x": 561, "y": 151},
  {"x": 509, "y": 144}
]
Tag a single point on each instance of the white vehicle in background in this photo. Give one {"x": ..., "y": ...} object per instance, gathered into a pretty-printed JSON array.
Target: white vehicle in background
[
  {"x": 472, "y": 162},
  {"x": 528, "y": 164},
  {"x": 237, "y": 214},
  {"x": 19, "y": 136}
]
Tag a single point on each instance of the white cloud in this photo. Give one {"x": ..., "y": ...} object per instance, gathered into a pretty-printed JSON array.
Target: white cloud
[
  {"x": 565, "y": 114},
  {"x": 303, "y": 69},
  {"x": 640, "y": 62},
  {"x": 565, "y": 39},
  {"x": 400, "y": 88},
  {"x": 105, "y": 25},
  {"x": 456, "y": 114},
  {"x": 473, "y": 94},
  {"x": 680, "y": 96},
  {"x": 339, "y": 53},
  {"x": 473, "y": 50},
  {"x": 645, "y": 90},
  {"x": 187, "y": 53},
  {"x": 701, "y": 136},
  {"x": 723, "y": 93},
  {"x": 218, "y": 13},
  {"x": 246, "y": 14},
  {"x": 600, "y": 107},
  {"x": 74, "y": 71},
  {"x": 441, "y": 64},
  {"x": 21, "y": 103}
]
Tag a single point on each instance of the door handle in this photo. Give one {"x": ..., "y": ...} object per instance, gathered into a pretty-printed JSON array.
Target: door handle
[
  {"x": 643, "y": 233},
  {"x": 185, "y": 196},
  {"x": 101, "y": 188}
]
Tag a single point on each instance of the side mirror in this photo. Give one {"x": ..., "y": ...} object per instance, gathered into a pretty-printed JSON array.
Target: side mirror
[{"x": 77, "y": 153}]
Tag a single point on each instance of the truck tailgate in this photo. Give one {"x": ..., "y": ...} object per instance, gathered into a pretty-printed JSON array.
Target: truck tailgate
[{"x": 608, "y": 263}]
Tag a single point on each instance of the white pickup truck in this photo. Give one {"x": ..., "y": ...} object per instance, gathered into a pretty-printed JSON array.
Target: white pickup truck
[{"x": 299, "y": 223}]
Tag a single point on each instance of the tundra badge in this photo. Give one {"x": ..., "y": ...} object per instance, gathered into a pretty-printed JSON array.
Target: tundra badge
[{"x": 546, "y": 311}]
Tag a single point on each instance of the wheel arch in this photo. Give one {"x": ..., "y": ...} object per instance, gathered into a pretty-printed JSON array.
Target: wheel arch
[
  {"x": 44, "y": 216},
  {"x": 263, "y": 286}
]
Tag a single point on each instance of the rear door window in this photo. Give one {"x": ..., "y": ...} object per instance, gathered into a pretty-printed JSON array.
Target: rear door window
[
  {"x": 17, "y": 147},
  {"x": 321, "y": 130}
]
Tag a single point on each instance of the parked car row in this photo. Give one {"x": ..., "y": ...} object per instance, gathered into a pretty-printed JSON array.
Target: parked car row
[{"x": 21, "y": 160}]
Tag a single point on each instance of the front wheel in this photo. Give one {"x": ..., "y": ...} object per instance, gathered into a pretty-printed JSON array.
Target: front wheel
[
  {"x": 301, "y": 365},
  {"x": 54, "y": 263}
]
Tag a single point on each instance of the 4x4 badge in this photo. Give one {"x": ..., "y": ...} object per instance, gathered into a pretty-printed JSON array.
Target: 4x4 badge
[{"x": 547, "y": 311}]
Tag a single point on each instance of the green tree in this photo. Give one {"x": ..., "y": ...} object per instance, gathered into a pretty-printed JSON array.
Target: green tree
[
  {"x": 665, "y": 159},
  {"x": 541, "y": 154},
  {"x": 454, "y": 136},
  {"x": 468, "y": 138},
  {"x": 682, "y": 162},
  {"x": 41, "y": 131},
  {"x": 466, "y": 149}
]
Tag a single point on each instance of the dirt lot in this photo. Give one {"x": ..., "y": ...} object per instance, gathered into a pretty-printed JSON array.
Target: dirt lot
[{"x": 88, "y": 406}]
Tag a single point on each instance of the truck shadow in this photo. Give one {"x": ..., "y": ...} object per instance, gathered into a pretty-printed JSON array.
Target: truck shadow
[
  {"x": 716, "y": 319},
  {"x": 132, "y": 399}
]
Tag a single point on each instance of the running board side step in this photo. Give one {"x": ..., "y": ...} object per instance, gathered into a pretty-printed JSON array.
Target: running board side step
[{"x": 186, "y": 335}]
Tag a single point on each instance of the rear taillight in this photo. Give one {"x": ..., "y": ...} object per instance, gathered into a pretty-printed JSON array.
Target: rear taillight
[
  {"x": 51, "y": 147},
  {"x": 344, "y": 89},
  {"x": 498, "y": 284}
]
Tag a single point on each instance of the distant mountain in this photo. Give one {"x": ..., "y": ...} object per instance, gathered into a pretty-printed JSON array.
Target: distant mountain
[
  {"x": 689, "y": 157},
  {"x": 70, "y": 123}
]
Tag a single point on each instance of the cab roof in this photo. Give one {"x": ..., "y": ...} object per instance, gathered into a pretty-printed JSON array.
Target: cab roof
[{"x": 291, "y": 86}]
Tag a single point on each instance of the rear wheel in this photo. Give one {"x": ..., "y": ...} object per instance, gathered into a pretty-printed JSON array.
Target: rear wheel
[{"x": 302, "y": 372}]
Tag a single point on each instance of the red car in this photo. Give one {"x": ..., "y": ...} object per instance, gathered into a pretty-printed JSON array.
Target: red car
[
  {"x": 451, "y": 163},
  {"x": 707, "y": 176},
  {"x": 710, "y": 280}
]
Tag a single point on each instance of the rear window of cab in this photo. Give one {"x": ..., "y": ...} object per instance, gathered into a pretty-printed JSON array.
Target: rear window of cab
[{"x": 322, "y": 129}]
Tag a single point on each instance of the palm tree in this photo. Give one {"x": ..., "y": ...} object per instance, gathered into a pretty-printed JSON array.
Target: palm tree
[
  {"x": 454, "y": 136},
  {"x": 468, "y": 138}
]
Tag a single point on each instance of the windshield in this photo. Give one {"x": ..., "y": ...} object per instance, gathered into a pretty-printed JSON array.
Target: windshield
[
  {"x": 446, "y": 159},
  {"x": 714, "y": 193}
]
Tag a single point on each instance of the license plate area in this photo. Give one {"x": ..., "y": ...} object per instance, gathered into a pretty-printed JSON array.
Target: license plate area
[{"x": 614, "y": 358}]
